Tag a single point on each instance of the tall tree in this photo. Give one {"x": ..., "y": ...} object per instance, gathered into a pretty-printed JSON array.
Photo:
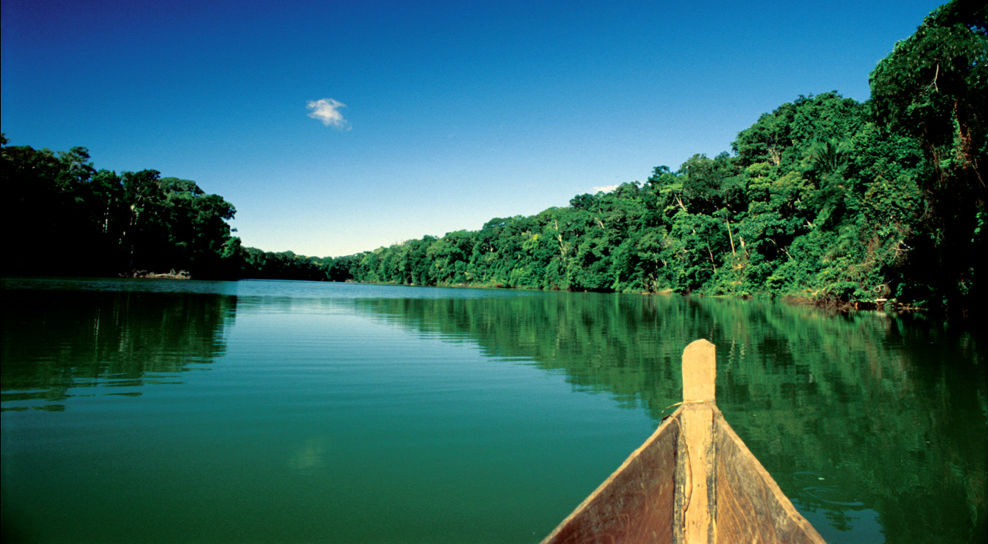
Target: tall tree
[{"x": 933, "y": 87}]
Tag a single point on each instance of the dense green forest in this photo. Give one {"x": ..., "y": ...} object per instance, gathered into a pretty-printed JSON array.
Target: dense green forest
[
  {"x": 825, "y": 198},
  {"x": 62, "y": 216}
]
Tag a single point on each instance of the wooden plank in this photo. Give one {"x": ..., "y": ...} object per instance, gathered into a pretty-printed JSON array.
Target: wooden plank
[
  {"x": 696, "y": 477},
  {"x": 635, "y": 503},
  {"x": 693, "y": 481},
  {"x": 699, "y": 372},
  {"x": 750, "y": 505}
]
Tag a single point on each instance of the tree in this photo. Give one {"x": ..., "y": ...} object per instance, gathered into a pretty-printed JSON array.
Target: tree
[{"x": 933, "y": 87}]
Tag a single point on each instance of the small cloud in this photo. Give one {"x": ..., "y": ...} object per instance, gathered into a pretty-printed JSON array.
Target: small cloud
[
  {"x": 327, "y": 110},
  {"x": 604, "y": 189}
]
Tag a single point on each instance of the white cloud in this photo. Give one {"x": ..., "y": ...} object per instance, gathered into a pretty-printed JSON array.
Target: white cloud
[
  {"x": 604, "y": 189},
  {"x": 327, "y": 110}
]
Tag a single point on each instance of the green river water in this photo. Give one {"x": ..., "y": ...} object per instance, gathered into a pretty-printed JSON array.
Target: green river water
[{"x": 275, "y": 411}]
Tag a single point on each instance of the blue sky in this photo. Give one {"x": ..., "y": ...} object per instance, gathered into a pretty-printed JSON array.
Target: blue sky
[{"x": 425, "y": 117}]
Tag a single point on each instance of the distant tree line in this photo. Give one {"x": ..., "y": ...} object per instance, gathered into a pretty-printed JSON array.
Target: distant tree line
[
  {"x": 825, "y": 197},
  {"x": 62, "y": 216},
  {"x": 286, "y": 265}
]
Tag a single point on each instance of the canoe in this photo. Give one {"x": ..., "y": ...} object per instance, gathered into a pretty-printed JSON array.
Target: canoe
[{"x": 692, "y": 481}]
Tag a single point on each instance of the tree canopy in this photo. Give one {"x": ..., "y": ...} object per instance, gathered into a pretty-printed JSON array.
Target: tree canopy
[
  {"x": 62, "y": 216},
  {"x": 825, "y": 197}
]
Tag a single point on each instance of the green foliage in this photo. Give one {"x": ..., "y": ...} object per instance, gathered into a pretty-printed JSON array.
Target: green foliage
[
  {"x": 62, "y": 216},
  {"x": 286, "y": 265},
  {"x": 933, "y": 89},
  {"x": 784, "y": 137},
  {"x": 824, "y": 198}
]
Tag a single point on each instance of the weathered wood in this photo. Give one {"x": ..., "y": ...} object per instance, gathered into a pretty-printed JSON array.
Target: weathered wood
[
  {"x": 696, "y": 476},
  {"x": 635, "y": 502},
  {"x": 750, "y": 505},
  {"x": 692, "y": 481},
  {"x": 699, "y": 372},
  {"x": 696, "y": 479}
]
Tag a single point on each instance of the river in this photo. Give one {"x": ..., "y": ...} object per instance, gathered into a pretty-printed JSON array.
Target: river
[{"x": 279, "y": 411}]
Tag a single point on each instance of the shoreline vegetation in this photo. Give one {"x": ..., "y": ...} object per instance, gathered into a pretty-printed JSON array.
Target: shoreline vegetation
[
  {"x": 825, "y": 200},
  {"x": 172, "y": 275},
  {"x": 881, "y": 306}
]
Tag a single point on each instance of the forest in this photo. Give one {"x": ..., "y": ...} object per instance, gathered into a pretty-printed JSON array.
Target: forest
[{"x": 878, "y": 203}]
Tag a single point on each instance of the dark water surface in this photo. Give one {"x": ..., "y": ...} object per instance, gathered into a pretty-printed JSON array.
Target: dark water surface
[{"x": 258, "y": 411}]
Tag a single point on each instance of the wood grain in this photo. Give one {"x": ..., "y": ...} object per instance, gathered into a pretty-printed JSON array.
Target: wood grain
[{"x": 635, "y": 503}]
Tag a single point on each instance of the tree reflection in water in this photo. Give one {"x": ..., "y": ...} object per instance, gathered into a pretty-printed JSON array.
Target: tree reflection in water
[{"x": 852, "y": 415}]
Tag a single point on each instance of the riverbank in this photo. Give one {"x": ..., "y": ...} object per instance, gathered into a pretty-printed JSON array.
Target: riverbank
[{"x": 171, "y": 275}]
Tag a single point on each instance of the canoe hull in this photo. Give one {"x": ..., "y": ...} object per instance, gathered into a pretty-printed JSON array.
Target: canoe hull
[
  {"x": 645, "y": 499},
  {"x": 693, "y": 481},
  {"x": 635, "y": 503}
]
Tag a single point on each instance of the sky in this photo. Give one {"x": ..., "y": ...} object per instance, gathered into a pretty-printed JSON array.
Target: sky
[{"x": 340, "y": 127}]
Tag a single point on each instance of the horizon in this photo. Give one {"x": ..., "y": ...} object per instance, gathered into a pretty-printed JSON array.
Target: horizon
[{"x": 339, "y": 129}]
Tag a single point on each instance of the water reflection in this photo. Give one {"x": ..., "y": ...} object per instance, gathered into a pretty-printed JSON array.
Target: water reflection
[
  {"x": 63, "y": 343},
  {"x": 852, "y": 415},
  {"x": 310, "y": 455},
  {"x": 875, "y": 427}
]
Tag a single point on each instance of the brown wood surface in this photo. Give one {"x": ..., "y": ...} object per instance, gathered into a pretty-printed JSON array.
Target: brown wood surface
[
  {"x": 696, "y": 475},
  {"x": 692, "y": 481},
  {"x": 699, "y": 372},
  {"x": 750, "y": 505},
  {"x": 635, "y": 503},
  {"x": 695, "y": 513}
]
